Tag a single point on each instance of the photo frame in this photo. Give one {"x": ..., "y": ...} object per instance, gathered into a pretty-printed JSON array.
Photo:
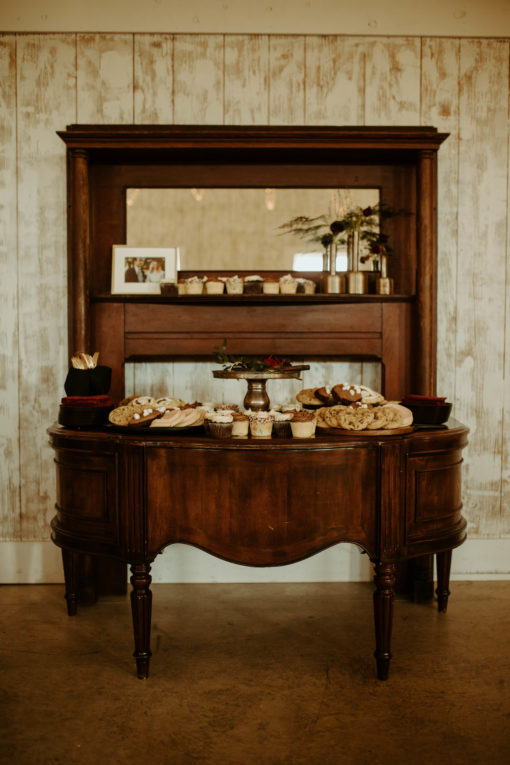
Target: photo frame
[{"x": 140, "y": 270}]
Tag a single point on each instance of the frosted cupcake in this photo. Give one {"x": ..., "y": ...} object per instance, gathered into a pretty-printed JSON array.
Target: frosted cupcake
[
  {"x": 214, "y": 287},
  {"x": 281, "y": 424},
  {"x": 261, "y": 425},
  {"x": 194, "y": 285},
  {"x": 219, "y": 424},
  {"x": 303, "y": 424},
  {"x": 234, "y": 285},
  {"x": 271, "y": 287},
  {"x": 305, "y": 286},
  {"x": 253, "y": 285},
  {"x": 240, "y": 425},
  {"x": 288, "y": 285}
]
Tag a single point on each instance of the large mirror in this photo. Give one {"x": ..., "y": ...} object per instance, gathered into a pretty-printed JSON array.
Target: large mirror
[{"x": 217, "y": 229}]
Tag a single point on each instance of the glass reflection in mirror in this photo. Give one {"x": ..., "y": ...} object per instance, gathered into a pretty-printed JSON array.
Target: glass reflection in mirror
[{"x": 225, "y": 229}]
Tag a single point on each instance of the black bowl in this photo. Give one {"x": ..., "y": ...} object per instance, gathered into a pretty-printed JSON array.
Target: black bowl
[{"x": 435, "y": 414}]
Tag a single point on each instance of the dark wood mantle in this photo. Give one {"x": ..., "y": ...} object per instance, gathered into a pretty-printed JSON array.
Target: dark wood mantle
[{"x": 104, "y": 160}]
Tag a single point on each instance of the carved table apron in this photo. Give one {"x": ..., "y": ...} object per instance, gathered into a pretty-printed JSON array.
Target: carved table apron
[{"x": 258, "y": 502}]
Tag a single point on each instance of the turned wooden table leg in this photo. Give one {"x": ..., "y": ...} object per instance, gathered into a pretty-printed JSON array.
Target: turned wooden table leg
[
  {"x": 384, "y": 580},
  {"x": 71, "y": 561},
  {"x": 141, "y": 604},
  {"x": 443, "y": 564}
]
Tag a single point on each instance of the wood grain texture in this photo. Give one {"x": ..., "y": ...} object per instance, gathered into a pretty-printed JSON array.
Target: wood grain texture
[
  {"x": 286, "y": 80},
  {"x": 335, "y": 76},
  {"x": 440, "y": 107},
  {"x": 153, "y": 79},
  {"x": 483, "y": 210},
  {"x": 46, "y": 98},
  {"x": 104, "y": 78},
  {"x": 10, "y": 519},
  {"x": 198, "y": 79},
  {"x": 392, "y": 81},
  {"x": 246, "y": 80}
]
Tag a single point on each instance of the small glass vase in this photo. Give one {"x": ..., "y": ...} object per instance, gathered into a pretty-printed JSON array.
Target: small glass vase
[
  {"x": 333, "y": 283},
  {"x": 384, "y": 285},
  {"x": 357, "y": 280}
]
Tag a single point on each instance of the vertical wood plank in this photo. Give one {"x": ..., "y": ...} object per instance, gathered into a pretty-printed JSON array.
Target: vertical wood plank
[
  {"x": 335, "y": 76},
  {"x": 246, "y": 80},
  {"x": 46, "y": 102},
  {"x": 483, "y": 210},
  {"x": 505, "y": 472},
  {"x": 440, "y": 107},
  {"x": 286, "y": 80},
  {"x": 153, "y": 79},
  {"x": 392, "y": 81},
  {"x": 198, "y": 79},
  {"x": 10, "y": 521},
  {"x": 105, "y": 78},
  {"x": 334, "y": 83}
]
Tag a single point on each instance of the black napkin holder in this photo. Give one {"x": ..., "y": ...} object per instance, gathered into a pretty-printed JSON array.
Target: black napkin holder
[{"x": 88, "y": 382}]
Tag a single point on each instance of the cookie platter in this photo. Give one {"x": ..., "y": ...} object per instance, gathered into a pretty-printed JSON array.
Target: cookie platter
[
  {"x": 364, "y": 433},
  {"x": 147, "y": 430}
]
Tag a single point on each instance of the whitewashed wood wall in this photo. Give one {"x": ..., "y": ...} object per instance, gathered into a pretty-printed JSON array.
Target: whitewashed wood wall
[{"x": 461, "y": 86}]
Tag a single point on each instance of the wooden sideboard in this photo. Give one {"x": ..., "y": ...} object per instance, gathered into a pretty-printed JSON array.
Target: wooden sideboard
[{"x": 259, "y": 502}]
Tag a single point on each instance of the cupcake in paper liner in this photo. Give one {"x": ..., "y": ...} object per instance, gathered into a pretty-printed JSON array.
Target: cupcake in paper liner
[
  {"x": 214, "y": 287},
  {"x": 253, "y": 285},
  {"x": 281, "y": 424},
  {"x": 305, "y": 286},
  {"x": 261, "y": 425},
  {"x": 288, "y": 285},
  {"x": 271, "y": 287},
  {"x": 219, "y": 424},
  {"x": 240, "y": 425},
  {"x": 194, "y": 285},
  {"x": 303, "y": 424},
  {"x": 234, "y": 285}
]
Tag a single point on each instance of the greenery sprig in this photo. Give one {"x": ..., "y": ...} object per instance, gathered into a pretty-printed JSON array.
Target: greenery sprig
[{"x": 246, "y": 363}]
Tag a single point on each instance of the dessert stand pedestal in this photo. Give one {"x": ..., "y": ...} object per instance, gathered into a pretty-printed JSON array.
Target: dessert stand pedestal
[{"x": 256, "y": 396}]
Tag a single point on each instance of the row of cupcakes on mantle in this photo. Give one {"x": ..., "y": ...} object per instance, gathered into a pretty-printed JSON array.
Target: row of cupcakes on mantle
[{"x": 241, "y": 285}]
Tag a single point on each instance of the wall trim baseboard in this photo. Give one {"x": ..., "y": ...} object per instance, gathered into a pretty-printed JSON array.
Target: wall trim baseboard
[{"x": 39, "y": 562}]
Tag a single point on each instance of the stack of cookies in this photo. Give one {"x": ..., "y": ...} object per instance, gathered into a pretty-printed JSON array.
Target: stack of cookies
[{"x": 354, "y": 407}]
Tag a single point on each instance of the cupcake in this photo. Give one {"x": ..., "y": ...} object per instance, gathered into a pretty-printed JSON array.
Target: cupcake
[
  {"x": 305, "y": 286},
  {"x": 168, "y": 289},
  {"x": 281, "y": 424},
  {"x": 240, "y": 425},
  {"x": 271, "y": 287},
  {"x": 234, "y": 285},
  {"x": 303, "y": 424},
  {"x": 219, "y": 424},
  {"x": 182, "y": 287},
  {"x": 227, "y": 407},
  {"x": 214, "y": 287},
  {"x": 261, "y": 425},
  {"x": 253, "y": 285},
  {"x": 194, "y": 285},
  {"x": 288, "y": 285}
]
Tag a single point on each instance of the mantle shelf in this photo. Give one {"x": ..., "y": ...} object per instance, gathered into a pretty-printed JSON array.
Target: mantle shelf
[{"x": 226, "y": 299}]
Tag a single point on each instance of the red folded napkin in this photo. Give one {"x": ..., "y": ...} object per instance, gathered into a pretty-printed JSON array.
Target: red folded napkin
[
  {"x": 102, "y": 400},
  {"x": 417, "y": 399}
]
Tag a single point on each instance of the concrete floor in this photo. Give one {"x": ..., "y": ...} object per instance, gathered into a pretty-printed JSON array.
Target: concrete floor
[{"x": 258, "y": 673}]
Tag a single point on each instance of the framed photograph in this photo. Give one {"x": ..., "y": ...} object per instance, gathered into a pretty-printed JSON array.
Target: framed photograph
[{"x": 140, "y": 270}]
